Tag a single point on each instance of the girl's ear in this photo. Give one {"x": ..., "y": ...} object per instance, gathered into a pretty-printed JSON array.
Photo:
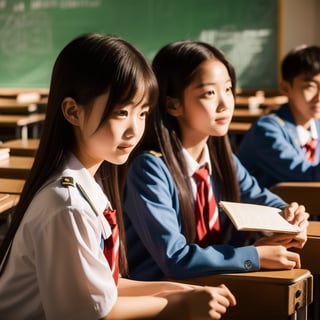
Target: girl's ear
[
  {"x": 70, "y": 110},
  {"x": 174, "y": 107}
]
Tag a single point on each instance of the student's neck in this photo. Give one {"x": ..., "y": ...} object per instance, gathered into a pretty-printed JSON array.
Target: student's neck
[
  {"x": 91, "y": 165},
  {"x": 301, "y": 120},
  {"x": 195, "y": 150},
  {"x": 306, "y": 123}
]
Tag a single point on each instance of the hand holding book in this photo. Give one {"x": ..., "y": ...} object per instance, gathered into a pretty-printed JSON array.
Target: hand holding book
[{"x": 252, "y": 217}]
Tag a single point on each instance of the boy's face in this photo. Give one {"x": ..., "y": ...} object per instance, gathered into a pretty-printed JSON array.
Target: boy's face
[{"x": 304, "y": 98}]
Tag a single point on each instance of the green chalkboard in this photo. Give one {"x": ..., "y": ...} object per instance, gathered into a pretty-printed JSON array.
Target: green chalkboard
[{"x": 32, "y": 32}]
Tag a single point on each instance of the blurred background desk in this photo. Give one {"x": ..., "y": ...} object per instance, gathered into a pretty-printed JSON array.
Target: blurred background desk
[
  {"x": 15, "y": 167},
  {"x": 22, "y": 123},
  {"x": 22, "y": 147}
]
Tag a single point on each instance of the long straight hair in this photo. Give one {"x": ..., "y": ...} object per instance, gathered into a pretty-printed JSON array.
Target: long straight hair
[
  {"x": 87, "y": 67},
  {"x": 175, "y": 66}
]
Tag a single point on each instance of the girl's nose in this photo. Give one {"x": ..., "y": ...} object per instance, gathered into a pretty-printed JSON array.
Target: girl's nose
[{"x": 132, "y": 129}]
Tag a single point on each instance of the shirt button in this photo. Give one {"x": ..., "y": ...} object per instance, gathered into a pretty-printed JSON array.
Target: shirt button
[{"x": 248, "y": 265}]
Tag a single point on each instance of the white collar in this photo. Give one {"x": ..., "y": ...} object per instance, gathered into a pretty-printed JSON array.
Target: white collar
[
  {"x": 193, "y": 165},
  {"x": 74, "y": 168},
  {"x": 305, "y": 135}
]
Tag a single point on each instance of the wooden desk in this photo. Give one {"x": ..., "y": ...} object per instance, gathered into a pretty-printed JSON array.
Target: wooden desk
[
  {"x": 21, "y": 147},
  {"x": 7, "y": 201},
  {"x": 247, "y": 115},
  {"x": 13, "y": 93},
  {"x": 310, "y": 254},
  {"x": 11, "y": 106},
  {"x": 12, "y": 186},
  {"x": 21, "y": 123},
  {"x": 239, "y": 128},
  {"x": 265, "y": 295},
  {"x": 268, "y": 103},
  {"x": 306, "y": 193},
  {"x": 310, "y": 259},
  {"x": 15, "y": 167}
]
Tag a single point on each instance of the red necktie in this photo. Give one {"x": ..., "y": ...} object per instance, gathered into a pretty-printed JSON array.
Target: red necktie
[
  {"x": 310, "y": 147},
  {"x": 207, "y": 217},
  {"x": 111, "y": 245}
]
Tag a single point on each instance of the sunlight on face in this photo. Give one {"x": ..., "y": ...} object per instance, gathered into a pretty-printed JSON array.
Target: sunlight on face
[
  {"x": 114, "y": 140},
  {"x": 208, "y": 103},
  {"x": 304, "y": 98}
]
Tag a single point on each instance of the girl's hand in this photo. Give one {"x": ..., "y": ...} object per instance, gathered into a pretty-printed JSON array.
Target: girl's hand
[
  {"x": 222, "y": 298},
  {"x": 297, "y": 215},
  {"x": 202, "y": 303},
  {"x": 277, "y": 257},
  {"x": 214, "y": 301}
]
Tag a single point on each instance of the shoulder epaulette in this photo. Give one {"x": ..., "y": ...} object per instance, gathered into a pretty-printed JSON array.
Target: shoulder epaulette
[
  {"x": 67, "y": 181},
  {"x": 155, "y": 153},
  {"x": 279, "y": 120}
]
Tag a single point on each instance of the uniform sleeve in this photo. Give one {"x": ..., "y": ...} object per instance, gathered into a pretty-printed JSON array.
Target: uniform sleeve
[
  {"x": 152, "y": 206},
  {"x": 269, "y": 153},
  {"x": 74, "y": 277}
]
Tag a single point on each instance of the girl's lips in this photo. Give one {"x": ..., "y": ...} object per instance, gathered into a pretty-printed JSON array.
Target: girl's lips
[
  {"x": 223, "y": 120},
  {"x": 126, "y": 148}
]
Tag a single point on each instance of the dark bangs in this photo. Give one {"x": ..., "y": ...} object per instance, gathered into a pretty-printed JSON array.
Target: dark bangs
[{"x": 132, "y": 78}]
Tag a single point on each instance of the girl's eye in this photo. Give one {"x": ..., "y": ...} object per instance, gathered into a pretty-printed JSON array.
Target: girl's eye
[
  {"x": 144, "y": 113},
  {"x": 229, "y": 89},
  {"x": 210, "y": 93},
  {"x": 121, "y": 113}
]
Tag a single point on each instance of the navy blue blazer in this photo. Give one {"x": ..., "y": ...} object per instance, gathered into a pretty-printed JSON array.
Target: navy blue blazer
[
  {"x": 271, "y": 151},
  {"x": 156, "y": 245}
]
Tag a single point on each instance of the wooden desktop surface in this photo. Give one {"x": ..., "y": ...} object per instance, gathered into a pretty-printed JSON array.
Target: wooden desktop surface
[
  {"x": 239, "y": 128},
  {"x": 11, "y": 107},
  {"x": 22, "y": 147},
  {"x": 306, "y": 193},
  {"x": 265, "y": 295},
  {"x": 247, "y": 115},
  {"x": 7, "y": 201},
  {"x": 14, "y": 92},
  {"x": 20, "y": 120},
  {"x": 15, "y": 167},
  {"x": 12, "y": 186},
  {"x": 21, "y": 123}
]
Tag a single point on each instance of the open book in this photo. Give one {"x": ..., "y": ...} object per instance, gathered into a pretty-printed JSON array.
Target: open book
[{"x": 253, "y": 217}]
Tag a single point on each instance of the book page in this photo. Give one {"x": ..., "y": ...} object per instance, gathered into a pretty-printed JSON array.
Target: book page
[{"x": 252, "y": 217}]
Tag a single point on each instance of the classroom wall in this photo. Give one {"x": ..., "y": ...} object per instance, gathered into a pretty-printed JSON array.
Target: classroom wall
[
  {"x": 255, "y": 34},
  {"x": 32, "y": 32},
  {"x": 300, "y": 24}
]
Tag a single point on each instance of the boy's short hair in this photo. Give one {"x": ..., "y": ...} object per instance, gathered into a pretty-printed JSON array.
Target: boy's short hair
[{"x": 301, "y": 60}]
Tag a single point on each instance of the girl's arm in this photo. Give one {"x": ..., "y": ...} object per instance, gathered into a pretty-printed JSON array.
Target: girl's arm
[
  {"x": 154, "y": 231},
  {"x": 195, "y": 303},
  {"x": 127, "y": 287}
]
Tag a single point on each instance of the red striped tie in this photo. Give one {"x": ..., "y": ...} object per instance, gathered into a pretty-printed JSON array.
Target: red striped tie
[
  {"x": 310, "y": 147},
  {"x": 111, "y": 245},
  {"x": 207, "y": 216}
]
